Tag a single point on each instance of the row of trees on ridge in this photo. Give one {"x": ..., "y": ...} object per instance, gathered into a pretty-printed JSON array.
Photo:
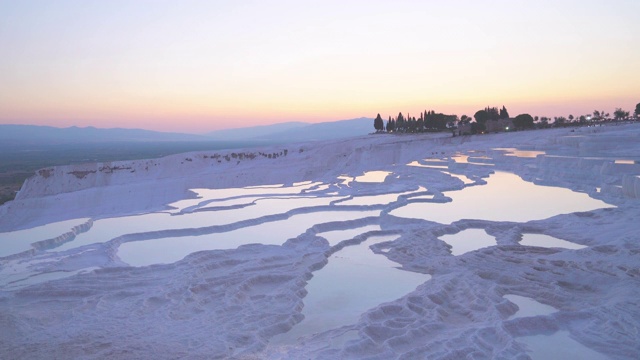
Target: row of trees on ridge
[
  {"x": 427, "y": 121},
  {"x": 431, "y": 121}
]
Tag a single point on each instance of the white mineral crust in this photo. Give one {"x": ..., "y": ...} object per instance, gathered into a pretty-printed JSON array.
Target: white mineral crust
[{"x": 64, "y": 300}]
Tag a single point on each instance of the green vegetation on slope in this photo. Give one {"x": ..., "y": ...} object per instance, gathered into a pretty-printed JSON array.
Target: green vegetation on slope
[{"x": 19, "y": 161}]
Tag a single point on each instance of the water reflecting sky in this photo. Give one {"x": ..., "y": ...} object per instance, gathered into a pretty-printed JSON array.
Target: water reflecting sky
[{"x": 505, "y": 197}]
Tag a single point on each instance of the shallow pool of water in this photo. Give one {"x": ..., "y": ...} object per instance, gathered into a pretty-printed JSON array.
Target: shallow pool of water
[
  {"x": 468, "y": 240},
  {"x": 547, "y": 241},
  {"x": 318, "y": 188},
  {"x": 627, "y": 162},
  {"x": 209, "y": 195},
  {"x": 558, "y": 345},
  {"x": 354, "y": 280},
  {"x": 14, "y": 242},
  {"x": 337, "y": 236},
  {"x": 521, "y": 153},
  {"x": 528, "y": 307},
  {"x": 432, "y": 165},
  {"x": 382, "y": 199},
  {"x": 106, "y": 229},
  {"x": 245, "y": 200},
  {"x": 472, "y": 159},
  {"x": 465, "y": 180},
  {"x": 505, "y": 197},
  {"x": 171, "y": 249},
  {"x": 373, "y": 177}
]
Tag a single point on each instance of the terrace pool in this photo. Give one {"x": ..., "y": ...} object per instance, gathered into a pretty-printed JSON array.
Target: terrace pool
[
  {"x": 354, "y": 280},
  {"x": 505, "y": 197}
]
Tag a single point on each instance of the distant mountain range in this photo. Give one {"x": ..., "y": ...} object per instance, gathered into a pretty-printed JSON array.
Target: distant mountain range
[
  {"x": 299, "y": 131},
  {"x": 254, "y": 131},
  {"x": 32, "y": 134},
  {"x": 283, "y": 132}
]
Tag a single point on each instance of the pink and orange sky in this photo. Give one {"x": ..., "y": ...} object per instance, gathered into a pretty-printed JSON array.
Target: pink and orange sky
[{"x": 197, "y": 66}]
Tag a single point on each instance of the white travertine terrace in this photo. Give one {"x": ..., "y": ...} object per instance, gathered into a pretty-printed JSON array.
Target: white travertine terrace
[{"x": 66, "y": 293}]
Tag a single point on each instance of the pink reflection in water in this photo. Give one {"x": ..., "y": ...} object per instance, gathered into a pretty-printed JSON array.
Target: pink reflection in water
[{"x": 505, "y": 197}]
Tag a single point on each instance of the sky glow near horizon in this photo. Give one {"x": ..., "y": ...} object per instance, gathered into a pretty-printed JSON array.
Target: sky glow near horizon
[{"x": 197, "y": 66}]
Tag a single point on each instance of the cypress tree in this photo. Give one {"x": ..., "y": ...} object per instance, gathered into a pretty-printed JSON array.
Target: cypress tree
[
  {"x": 504, "y": 114},
  {"x": 378, "y": 123}
]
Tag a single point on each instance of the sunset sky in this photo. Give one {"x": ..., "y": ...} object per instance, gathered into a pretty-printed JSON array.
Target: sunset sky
[{"x": 197, "y": 66}]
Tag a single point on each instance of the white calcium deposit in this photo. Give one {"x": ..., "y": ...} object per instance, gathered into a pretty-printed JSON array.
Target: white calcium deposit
[{"x": 212, "y": 255}]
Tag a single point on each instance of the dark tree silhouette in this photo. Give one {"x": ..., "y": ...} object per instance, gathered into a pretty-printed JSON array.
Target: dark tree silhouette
[
  {"x": 481, "y": 116},
  {"x": 432, "y": 121},
  {"x": 637, "y": 110},
  {"x": 420, "y": 124},
  {"x": 378, "y": 123},
  {"x": 544, "y": 122},
  {"x": 600, "y": 115},
  {"x": 437, "y": 121},
  {"x": 490, "y": 113},
  {"x": 620, "y": 114},
  {"x": 504, "y": 114},
  {"x": 477, "y": 127},
  {"x": 493, "y": 113},
  {"x": 400, "y": 123},
  {"x": 559, "y": 121},
  {"x": 390, "y": 124},
  {"x": 523, "y": 121}
]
